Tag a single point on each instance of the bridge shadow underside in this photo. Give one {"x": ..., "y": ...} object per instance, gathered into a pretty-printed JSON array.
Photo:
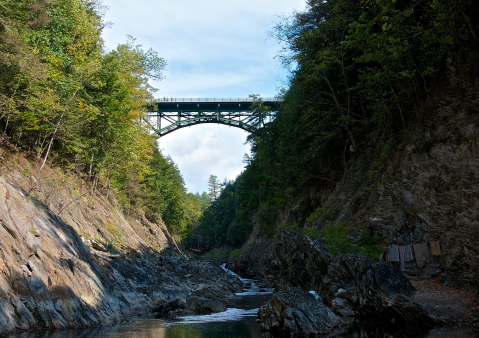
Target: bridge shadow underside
[{"x": 201, "y": 120}]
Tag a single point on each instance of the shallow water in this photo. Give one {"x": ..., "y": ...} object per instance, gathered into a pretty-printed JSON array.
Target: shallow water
[{"x": 236, "y": 322}]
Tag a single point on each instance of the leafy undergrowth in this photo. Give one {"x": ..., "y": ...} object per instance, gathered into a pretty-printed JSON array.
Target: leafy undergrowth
[
  {"x": 340, "y": 241},
  {"x": 222, "y": 253},
  {"x": 235, "y": 253},
  {"x": 219, "y": 253}
]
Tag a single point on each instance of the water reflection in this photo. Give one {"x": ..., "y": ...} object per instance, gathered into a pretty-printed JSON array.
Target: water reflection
[
  {"x": 244, "y": 328},
  {"x": 156, "y": 328},
  {"x": 375, "y": 330}
]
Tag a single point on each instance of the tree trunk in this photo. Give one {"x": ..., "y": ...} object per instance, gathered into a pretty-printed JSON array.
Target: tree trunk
[{"x": 51, "y": 140}]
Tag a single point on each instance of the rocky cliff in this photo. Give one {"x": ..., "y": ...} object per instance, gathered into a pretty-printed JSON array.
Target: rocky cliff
[
  {"x": 418, "y": 186},
  {"x": 426, "y": 191},
  {"x": 69, "y": 258}
]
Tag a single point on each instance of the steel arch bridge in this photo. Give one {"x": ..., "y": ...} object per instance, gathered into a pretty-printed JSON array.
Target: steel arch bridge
[{"x": 176, "y": 113}]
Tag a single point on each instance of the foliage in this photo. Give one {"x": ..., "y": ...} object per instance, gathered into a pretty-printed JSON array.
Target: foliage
[
  {"x": 220, "y": 253},
  {"x": 235, "y": 253},
  {"x": 214, "y": 187},
  {"x": 340, "y": 242},
  {"x": 358, "y": 68},
  {"x": 63, "y": 99},
  {"x": 204, "y": 199},
  {"x": 116, "y": 232},
  {"x": 223, "y": 221}
]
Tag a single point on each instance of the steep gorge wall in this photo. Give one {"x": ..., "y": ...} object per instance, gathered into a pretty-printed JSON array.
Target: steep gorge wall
[
  {"x": 55, "y": 269},
  {"x": 427, "y": 191},
  {"x": 422, "y": 186}
]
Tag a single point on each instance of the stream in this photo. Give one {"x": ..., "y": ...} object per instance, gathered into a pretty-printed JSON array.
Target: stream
[{"x": 235, "y": 322}]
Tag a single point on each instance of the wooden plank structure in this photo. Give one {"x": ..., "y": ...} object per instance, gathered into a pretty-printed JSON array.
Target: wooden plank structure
[
  {"x": 395, "y": 253},
  {"x": 419, "y": 259},
  {"x": 435, "y": 248},
  {"x": 421, "y": 252},
  {"x": 408, "y": 255}
]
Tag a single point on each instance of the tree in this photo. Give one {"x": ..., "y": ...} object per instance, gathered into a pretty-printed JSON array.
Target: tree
[
  {"x": 204, "y": 199},
  {"x": 214, "y": 187},
  {"x": 247, "y": 159}
]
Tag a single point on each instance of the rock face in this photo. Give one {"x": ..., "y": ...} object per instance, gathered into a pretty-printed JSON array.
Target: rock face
[
  {"x": 257, "y": 260},
  {"x": 475, "y": 318},
  {"x": 90, "y": 266},
  {"x": 294, "y": 312},
  {"x": 428, "y": 191},
  {"x": 351, "y": 285}
]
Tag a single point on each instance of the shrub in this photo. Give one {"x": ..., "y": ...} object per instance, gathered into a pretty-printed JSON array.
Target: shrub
[{"x": 235, "y": 253}]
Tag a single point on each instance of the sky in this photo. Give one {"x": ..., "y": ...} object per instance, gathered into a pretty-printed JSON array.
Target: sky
[{"x": 213, "y": 48}]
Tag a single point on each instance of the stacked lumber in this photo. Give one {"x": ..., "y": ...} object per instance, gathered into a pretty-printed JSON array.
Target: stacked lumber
[{"x": 420, "y": 259}]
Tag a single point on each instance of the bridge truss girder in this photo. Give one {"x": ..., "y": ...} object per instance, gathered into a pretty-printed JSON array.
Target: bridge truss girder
[{"x": 172, "y": 116}]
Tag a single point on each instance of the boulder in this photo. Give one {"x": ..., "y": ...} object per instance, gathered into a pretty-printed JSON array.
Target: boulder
[
  {"x": 171, "y": 310},
  {"x": 294, "y": 312},
  {"x": 201, "y": 305}
]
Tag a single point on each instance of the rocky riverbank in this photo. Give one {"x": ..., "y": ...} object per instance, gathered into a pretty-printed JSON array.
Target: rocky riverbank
[
  {"x": 69, "y": 258},
  {"x": 424, "y": 190},
  {"x": 349, "y": 287},
  {"x": 295, "y": 312}
]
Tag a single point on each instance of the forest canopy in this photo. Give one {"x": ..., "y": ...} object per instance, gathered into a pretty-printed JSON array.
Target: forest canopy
[
  {"x": 362, "y": 69},
  {"x": 362, "y": 72},
  {"x": 65, "y": 100}
]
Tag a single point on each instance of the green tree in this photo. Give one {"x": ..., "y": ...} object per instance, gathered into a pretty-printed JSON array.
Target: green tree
[
  {"x": 204, "y": 199},
  {"x": 214, "y": 187},
  {"x": 362, "y": 70}
]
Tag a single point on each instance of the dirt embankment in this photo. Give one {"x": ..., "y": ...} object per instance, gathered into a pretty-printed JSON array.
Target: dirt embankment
[
  {"x": 69, "y": 258},
  {"x": 448, "y": 304}
]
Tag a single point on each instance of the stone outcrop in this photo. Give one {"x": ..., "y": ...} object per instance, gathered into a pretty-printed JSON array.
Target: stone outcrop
[
  {"x": 422, "y": 188},
  {"x": 351, "y": 285},
  {"x": 475, "y": 318},
  {"x": 257, "y": 260},
  {"x": 77, "y": 262},
  {"x": 294, "y": 312},
  {"x": 427, "y": 191},
  {"x": 417, "y": 188}
]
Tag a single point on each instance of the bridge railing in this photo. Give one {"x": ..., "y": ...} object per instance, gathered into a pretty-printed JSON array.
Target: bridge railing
[{"x": 216, "y": 99}]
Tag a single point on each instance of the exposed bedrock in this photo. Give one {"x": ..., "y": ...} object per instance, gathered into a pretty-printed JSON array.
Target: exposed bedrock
[
  {"x": 475, "y": 318},
  {"x": 294, "y": 312},
  {"x": 52, "y": 277},
  {"x": 351, "y": 285}
]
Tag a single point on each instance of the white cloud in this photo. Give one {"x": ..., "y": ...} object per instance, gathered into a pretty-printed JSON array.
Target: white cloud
[{"x": 204, "y": 150}]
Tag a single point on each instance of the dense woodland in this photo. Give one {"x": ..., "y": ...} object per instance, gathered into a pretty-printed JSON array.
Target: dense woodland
[
  {"x": 66, "y": 101},
  {"x": 362, "y": 71}
]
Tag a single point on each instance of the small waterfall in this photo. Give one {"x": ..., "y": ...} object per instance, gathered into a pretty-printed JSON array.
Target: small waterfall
[{"x": 251, "y": 286}]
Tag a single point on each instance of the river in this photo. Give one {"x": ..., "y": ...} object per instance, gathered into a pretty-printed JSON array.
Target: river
[{"x": 236, "y": 322}]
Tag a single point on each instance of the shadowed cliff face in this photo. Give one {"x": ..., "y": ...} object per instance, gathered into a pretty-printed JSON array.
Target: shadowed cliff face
[
  {"x": 427, "y": 191},
  {"x": 422, "y": 186},
  {"x": 425, "y": 188},
  {"x": 89, "y": 266}
]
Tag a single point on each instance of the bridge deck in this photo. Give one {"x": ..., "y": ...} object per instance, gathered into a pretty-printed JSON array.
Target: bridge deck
[
  {"x": 211, "y": 104},
  {"x": 215, "y": 99}
]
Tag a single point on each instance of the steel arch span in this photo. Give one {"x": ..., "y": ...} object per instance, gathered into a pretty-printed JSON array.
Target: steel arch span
[{"x": 176, "y": 113}]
